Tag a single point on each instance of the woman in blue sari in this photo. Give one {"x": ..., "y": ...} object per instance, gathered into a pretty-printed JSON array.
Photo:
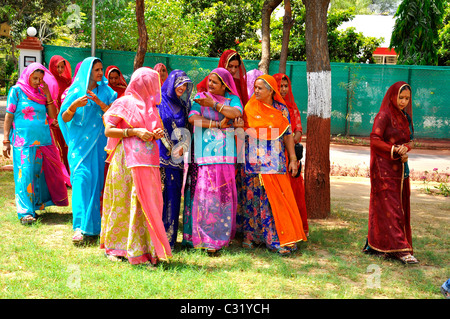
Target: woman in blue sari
[
  {"x": 173, "y": 110},
  {"x": 82, "y": 126}
]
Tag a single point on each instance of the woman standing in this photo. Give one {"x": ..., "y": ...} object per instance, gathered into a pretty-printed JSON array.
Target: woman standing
[
  {"x": 38, "y": 171},
  {"x": 389, "y": 211},
  {"x": 82, "y": 126},
  {"x": 214, "y": 202},
  {"x": 162, "y": 70},
  {"x": 272, "y": 215},
  {"x": 61, "y": 70},
  {"x": 297, "y": 183},
  {"x": 116, "y": 81},
  {"x": 173, "y": 110},
  {"x": 131, "y": 222}
]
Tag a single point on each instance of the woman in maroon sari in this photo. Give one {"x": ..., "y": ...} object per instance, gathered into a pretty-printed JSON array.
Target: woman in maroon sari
[
  {"x": 116, "y": 81},
  {"x": 389, "y": 211}
]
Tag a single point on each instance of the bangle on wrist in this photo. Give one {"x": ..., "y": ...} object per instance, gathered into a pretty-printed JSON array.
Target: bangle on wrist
[
  {"x": 125, "y": 132},
  {"x": 215, "y": 105},
  {"x": 6, "y": 142},
  {"x": 220, "y": 110},
  {"x": 50, "y": 102},
  {"x": 70, "y": 112},
  {"x": 210, "y": 121}
]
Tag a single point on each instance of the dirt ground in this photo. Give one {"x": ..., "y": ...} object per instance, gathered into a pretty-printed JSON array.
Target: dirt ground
[{"x": 352, "y": 193}]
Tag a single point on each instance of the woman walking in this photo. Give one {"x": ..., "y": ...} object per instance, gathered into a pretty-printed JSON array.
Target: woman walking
[
  {"x": 81, "y": 124},
  {"x": 389, "y": 211},
  {"x": 116, "y": 81},
  {"x": 39, "y": 174},
  {"x": 132, "y": 227}
]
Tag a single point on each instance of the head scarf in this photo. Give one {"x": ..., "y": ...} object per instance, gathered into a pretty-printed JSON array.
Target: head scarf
[
  {"x": 252, "y": 75},
  {"x": 76, "y": 70},
  {"x": 259, "y": 115},
  {"x": 120, "y": 88},
  {"x": 65, "y": 79},
  {"x": 389, "y": 106},
  {"x": 157, "y": 68},
  {"x": 37, "y": 95},
  {"x": 170, "y": 100},
  {"x": 240, "y": 78},
  {"x": 138, "y": 105},
  {"x": 290, "y": 101}
]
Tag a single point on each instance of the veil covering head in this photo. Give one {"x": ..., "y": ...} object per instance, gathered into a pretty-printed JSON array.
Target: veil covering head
[
  {"x": 170, "y": 99},
  {"x": 290, "y": 101},
  {"x": 262, "y": 117},
  {"x": 252, "y": 75},
  {"x": 37, "y": 95},
  {"x": 65, "y": 79},
  {"x": 119, "y": 88},
  {"x": 389, "y": 105}
]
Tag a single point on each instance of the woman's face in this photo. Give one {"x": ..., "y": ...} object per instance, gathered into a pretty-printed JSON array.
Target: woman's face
[
  {"x": 262, "y": 93},
  {"x": 36, "y": 78},
  {"x": 284, "y": 88},
  {"x": 114, "y": 78},
  {"x": 163, "y": 73},
  {"x": 60, "y": 67},
  {"x": 403, "y": 99},
  {"x": 233, "y": 67},
  {"x": 215, "y": 85},
  {"x": 181, "y": 89},
  {"x": 97, "y": 72}
]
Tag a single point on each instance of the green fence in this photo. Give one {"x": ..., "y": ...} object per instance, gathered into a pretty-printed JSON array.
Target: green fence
[{"x": 368, "y": 84}]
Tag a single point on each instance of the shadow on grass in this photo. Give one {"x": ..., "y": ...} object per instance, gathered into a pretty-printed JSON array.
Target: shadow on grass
[{"x": 55, "y": 218}]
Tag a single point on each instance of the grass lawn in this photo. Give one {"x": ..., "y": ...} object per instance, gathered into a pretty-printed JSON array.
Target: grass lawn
[{"x": 39, "y": 261}]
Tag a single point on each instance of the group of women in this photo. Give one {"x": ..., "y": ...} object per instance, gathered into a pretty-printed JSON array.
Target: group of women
[{"x": 138, "y": 152}]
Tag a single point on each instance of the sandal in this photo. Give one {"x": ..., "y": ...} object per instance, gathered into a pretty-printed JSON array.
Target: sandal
[
  {"x": 27, "y": 220},
  {"x": 283, "y": 251},
  {"x": 445, "y": 292},
  {"x": 408, "y": 259},
  {"x": 77, "y": 238}
]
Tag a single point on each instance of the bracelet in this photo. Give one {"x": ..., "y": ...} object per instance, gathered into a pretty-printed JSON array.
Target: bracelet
[
  {"x": 6, "y": 142},
  {"x": 50, "y": 102},
  {"x": 215, "y": 105},
  {"x": 221, "y": 108},
  {"x": 125, "y": 132},
  {"x": 70, "y": 112},
  {"x": 210, "y": 121}
]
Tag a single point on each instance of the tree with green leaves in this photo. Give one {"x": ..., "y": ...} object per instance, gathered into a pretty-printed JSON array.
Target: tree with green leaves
[{"x": 416, "y": 31}]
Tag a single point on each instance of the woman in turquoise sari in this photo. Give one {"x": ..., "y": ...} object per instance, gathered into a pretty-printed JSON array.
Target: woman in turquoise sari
[{"x": 82, "y": 126}]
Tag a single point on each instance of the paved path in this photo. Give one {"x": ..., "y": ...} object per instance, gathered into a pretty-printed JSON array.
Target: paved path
[{"x": 350, "y": 155}]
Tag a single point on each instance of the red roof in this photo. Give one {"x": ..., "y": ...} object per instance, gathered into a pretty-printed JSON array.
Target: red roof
[
  {"x": 31, "y": 43},
  {"x": 384, "y": 51}
]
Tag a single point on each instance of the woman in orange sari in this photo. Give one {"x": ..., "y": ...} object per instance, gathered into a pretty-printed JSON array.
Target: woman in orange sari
[
  {"x": 298, "y": 187},
  {"x": 61, "y": 70},
  {"x": 272, "y": 215},
  {"x": 116, "y": 81},
  {"x": 389, "y": 211}
]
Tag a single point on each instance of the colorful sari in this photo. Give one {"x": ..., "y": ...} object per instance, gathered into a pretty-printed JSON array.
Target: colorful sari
[
  {"x": 85, "y": 137},
  {"x": 297, "y": 183},
  {"x": 213, "y": 215},
  {"x": 252, "y": 75},
  {"x": 131, "y": 222},
  {"x": 389, "y": 211},
  {"x": 272, "y": 215},
  {"x": 121, "y": 87},
  {"x": 39, "y": 174},
  {"x": 173, "y": 112},
  {"x": 64, "y": 81},
  {"x": 240, "y": 78},
  {"x": 158, "y": 67}
]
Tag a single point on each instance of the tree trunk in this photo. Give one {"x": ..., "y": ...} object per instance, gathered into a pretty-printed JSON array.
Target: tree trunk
[
  {"x": 143, "y": 36},
  {"x": 287, "y": 25},
  {"x": 268, "y": 7},
  {"x": 317, "y": 164}
]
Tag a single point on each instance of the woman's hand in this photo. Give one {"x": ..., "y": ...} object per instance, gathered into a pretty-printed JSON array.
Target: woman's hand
[
  {"x": 143, "y": 134},
  {"x": 224, "y": 123},
  {"x": 404, "y": 158},
  {"x": 7, "y": 150},
  {"x": 238, "y": 122},
  {"x": 206, "y": 101},
  {"x": 91, "y": 95},
  {"x": 80, "y": 102},
  {"x": 45, "y": 89},
  {"x": 158, "y": 133},
  {"x": 297, "y": 137},
  {"x": 293, "y": 167},
  {"x": 401, "y": 150}
]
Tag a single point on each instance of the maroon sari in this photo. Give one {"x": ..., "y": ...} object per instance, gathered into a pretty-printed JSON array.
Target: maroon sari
[{"x": 389, "y": 210}]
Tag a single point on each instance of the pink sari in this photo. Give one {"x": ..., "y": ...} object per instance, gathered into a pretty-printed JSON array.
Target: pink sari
[{"x": 137, "y": 109}]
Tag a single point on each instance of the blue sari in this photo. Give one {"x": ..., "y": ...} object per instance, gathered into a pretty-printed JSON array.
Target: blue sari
[
  {"x": 173, "y": 112},
  {"x": 86, "y": 140}
]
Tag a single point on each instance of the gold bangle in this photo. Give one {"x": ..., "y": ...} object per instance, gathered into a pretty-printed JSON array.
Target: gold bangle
[
  {"x": 70, "y": 112},
  {"x": 221, "y": 108},
  {"x": 125, "y": 132},
  {"x": 210, "y": 123},
  {"x": 50, "y": 102}
]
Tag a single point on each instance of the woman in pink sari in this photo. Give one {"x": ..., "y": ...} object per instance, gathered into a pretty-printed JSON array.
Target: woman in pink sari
[
  {"x": 215, "y": 199},
  {"x": 162, "y": 70},
  {"x": 132, "y": 225}
]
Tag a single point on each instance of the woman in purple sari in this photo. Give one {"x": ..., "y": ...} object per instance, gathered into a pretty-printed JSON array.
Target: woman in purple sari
[
  {"x": 173, "y": 110},
  {"x": 215, "y": 199}
]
